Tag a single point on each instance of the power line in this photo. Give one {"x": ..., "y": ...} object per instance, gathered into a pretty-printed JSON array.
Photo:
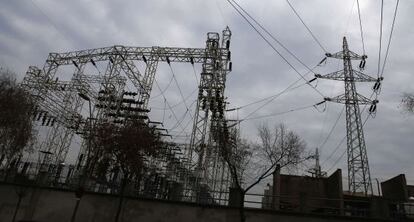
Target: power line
[
  {"x": 360, "y": 28},
  {"x": 280, "y": 113},
  {"x": 349, "y": 18},
  {"x": 188, "y": 111},
  {"x": 179, "y": 103},
  {"x": 274, "y": 97},
  {"x": 168, "y": 104},
  {"x": 272, "y": 46},
  {"x": 389, "y": 40},
  {"x": 271, "y": 35},
  {"x": 195, "y": 75},
  {"x": 164, "y": 90},
  {"x": 48, "y": 19},
  {"x": 380, "y": 39},
  {"x": 337, "y": 161},
  {"x": 332, "y": 129},
  {"x": 179, "y": 89},
  {"x": 310, "y": 32}
]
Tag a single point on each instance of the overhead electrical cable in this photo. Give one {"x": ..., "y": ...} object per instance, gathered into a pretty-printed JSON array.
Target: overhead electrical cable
[
  {"x": 188, "y": 111},
  {"x": 360, "y": 28},
  {"x": 332, "y": 129},
  {"x": 49, "y": 20},
  {"x": 165, "y": 89},
  {"x": 195, "y": 75},
  {"x": 279, "y": 113},
  {"x": 168, "y": 104},
  {"x": 271, "y": 35},
  {"x": 380, "y": 39},
  {"x": 310, "y": 32},
  {"x": 273, "y": 47},
  {"x": 389, "y": 39},
  {"x": 179, "y": 89},
  {"x": 273, "y": 97},
  {"x": 179, "y": 103}
]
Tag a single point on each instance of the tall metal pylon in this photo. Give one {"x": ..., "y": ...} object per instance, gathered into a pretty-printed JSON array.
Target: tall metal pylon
[{"x": 359, "y": 178}]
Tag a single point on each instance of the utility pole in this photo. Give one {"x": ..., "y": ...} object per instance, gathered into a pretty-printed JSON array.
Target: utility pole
[{"x": 359, "y": 178}]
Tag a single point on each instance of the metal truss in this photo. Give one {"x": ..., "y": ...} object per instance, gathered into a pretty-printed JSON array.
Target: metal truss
[
  {"x": 359, "y": 178},
  {"x": 209, "y": 116},
  {"x": 60, "y": 102}
]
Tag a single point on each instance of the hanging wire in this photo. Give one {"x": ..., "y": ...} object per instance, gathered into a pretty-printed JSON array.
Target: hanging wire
[
  {"x": 332, "y": 129},
  {"x": 164, "y": 90},
  {"x": 273, "y": 47},
  {"x": 179, "y": 103},
  {"x": 279, "y": 113},
  {"x": 271, "y": 35},
  {"x": 272, "y": 98},
  {"x": 310, "y": 32},
  {"x": 179, "y": 88},
  {"x": 49, "y": 20},
  {"x": 380, "y": 39},
  {"x": 188, "y": 111},
  {"x": 275, "y": 95},
  {"x": 195, "y": 75},
  {"x": 360, "y": 28},
  {"x": 168, "y": 104},
  {"x": 349, "y": 18},
  {"x": 389, "y": 39}
]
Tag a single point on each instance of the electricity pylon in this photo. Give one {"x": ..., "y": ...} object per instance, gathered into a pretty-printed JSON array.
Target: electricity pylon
[{"x": 359, "y": 178}]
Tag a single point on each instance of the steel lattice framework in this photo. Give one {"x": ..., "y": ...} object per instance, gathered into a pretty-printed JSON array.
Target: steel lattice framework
[
  {"x": 359, "y": 178},
  {"x": 60, "y": 102}
]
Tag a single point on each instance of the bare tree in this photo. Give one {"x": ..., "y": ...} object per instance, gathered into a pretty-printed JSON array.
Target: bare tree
[
  {"x": 280, "y": 146},
  {"x": 126, "y": 148},
  {"x": 407, "y": 102},
  {"x": 16, "y": 129},
  {"x": 277, "y": 147}
]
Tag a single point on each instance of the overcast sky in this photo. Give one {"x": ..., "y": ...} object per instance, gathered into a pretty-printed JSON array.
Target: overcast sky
[{"x": 30, "y": 29}]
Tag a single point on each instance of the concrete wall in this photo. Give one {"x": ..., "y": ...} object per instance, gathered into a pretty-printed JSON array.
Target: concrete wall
[
  {"x": 395, "y": 188},
  {"x": 305, "y": 194},
  {"x": 45, "y": 205},
  {"x": 410, "y": 189}
]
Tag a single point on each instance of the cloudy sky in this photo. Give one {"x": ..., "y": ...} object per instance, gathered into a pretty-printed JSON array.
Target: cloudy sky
[{"x": 30, "y": 29}]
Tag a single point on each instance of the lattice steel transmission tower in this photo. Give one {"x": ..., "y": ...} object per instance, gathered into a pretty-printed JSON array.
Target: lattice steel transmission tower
[
  {"x": 209, "y": 120},
  {"x": 359, "y": 178}
]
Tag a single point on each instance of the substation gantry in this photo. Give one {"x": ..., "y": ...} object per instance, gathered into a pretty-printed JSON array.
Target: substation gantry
[{"x": 61, "y": 96}]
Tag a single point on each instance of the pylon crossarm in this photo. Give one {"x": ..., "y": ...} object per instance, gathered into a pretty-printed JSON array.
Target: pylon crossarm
[
  {"x": 342, "y": 99},
  {"x": 341, "y": 55},
  {"x": 340, "y": 75},
  {"x": 361, "y": 77},
  {"x": 362, "y": 100}
]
